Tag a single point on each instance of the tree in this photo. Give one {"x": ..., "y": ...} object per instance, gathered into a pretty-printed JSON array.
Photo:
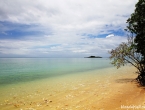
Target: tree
[
  {"x": 126, "y": 53},
  {"x": 133, "y": 51},
  {"x": 136, "y": 25}
]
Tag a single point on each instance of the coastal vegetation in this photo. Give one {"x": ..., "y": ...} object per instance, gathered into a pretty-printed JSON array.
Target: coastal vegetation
[{"x": 133, "y": 51}]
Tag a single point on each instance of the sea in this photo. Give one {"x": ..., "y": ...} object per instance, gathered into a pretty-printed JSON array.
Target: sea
[
  {"x": 19, "y": 70},
  {"x": 51, "y": 83}
]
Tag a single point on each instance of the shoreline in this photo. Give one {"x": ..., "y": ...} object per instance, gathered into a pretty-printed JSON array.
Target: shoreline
[{"x": 90, "y": 91}]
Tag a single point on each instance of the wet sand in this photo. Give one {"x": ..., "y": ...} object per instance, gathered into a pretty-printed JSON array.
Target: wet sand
[{"x": 111, "y": 89}]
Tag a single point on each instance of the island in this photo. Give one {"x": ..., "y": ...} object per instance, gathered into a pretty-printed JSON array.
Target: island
[{"x": 93, "y": 57}]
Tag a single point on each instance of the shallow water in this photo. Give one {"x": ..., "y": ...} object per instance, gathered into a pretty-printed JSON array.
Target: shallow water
[
  {"x": 16, "y": 70},
  {"x": 79, "y": 91},
  {"x": 56, "y": 84}
]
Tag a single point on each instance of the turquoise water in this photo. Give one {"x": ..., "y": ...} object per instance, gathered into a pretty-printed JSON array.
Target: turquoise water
[{"x": 16, "y": 70}]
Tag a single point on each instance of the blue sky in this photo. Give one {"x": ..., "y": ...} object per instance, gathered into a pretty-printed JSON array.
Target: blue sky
[{"x": 62, "y": 28}]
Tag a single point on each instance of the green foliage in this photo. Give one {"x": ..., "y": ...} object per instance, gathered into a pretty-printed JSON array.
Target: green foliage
[
  {"x": 126, "y": 53},
  {"x": 133, "y": 51},
  {"x": 136, "y": 25}
]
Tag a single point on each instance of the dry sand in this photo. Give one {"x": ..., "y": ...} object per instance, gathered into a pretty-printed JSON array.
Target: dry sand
[{"x": 115, "y": 90}]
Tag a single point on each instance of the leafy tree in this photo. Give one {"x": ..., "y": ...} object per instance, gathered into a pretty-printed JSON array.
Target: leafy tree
[
  {"x": 126, "y": 53},
  {"x": 136, "y": 25},
  {"x": 133, "y": 51}
]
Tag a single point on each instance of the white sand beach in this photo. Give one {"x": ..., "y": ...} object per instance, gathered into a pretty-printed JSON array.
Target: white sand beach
[{"x": 114, "y": 91}]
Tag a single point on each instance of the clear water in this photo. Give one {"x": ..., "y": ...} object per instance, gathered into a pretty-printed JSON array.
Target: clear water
[{"x": 16, "y": 70}]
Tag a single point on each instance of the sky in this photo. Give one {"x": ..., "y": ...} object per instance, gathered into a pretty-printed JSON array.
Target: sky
[{"x": 62, "y": 28}]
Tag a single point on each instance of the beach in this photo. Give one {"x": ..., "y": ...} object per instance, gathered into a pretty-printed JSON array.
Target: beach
[
  {"x": 115, "y": 90},
  {"x": 61, "y": 54}
]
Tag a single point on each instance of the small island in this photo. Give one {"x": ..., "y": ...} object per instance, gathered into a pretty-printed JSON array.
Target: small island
[{"x": 93, "y": 57}]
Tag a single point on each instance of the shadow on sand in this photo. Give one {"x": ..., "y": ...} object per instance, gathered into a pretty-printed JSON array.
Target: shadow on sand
[
  {"x": 130, "y": 80},
  {"x": 125, "y": 80}
]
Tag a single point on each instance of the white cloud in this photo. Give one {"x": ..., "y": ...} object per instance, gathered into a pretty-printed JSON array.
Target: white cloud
[
  {"x": 109, "y": 36},
  {"x": 73, "y": 47},
  {"x": 67, "y": 20}
]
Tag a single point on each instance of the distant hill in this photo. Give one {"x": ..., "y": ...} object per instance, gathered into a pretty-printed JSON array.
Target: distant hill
[{"x": 93, "y": 57}]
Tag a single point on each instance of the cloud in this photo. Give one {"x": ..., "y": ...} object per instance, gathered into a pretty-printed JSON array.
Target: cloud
[
  {"x": 62, "y": 27},
  {"x": 109, "y": 36},
  {"x": 63, "y": 47}
]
